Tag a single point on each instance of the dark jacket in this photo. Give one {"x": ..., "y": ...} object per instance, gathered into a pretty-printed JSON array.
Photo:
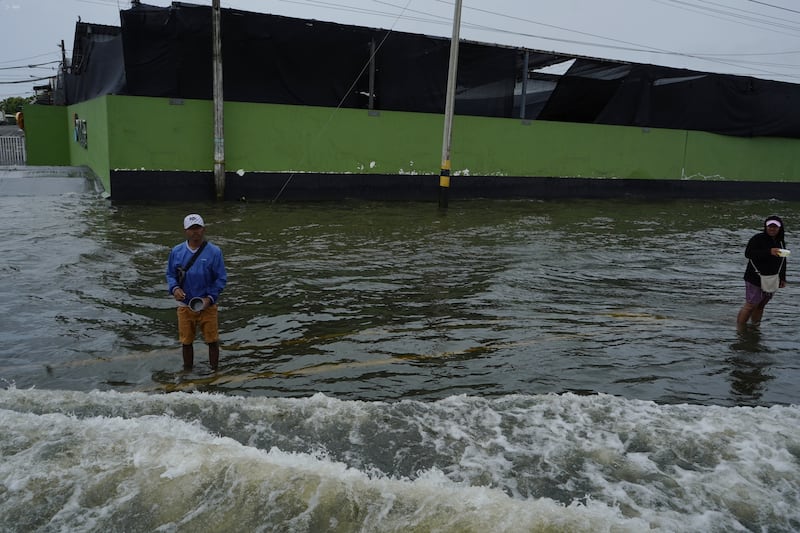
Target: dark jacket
[{"x": 758, "y": 253}]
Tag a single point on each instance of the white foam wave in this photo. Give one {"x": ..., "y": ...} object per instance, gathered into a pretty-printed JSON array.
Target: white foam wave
[
  {"x": 158, "y": 473},
  {"x": 516, "y": 463}
]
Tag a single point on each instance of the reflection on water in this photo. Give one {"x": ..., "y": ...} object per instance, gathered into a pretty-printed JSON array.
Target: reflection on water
[
  {"x": 389, "y": 301},
  {"x": 750, "y": 366},
  {"x": 748, "y": 339}
]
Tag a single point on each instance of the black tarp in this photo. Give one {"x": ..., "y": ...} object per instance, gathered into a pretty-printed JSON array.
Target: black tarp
[
  {"x": 166, "y": 52},
  {"x": 273, "y": 59},
  {"x": 103, "y": 74},
  {"x": 661, "y": 97},
  {"x": 97, "y": 66}
]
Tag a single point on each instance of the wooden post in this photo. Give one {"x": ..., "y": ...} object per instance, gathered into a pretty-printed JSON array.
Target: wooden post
[
  {"x": 219, "y": 130},
  {"x": 371, "y": 75},
  {"x": 523, "y": 99}
]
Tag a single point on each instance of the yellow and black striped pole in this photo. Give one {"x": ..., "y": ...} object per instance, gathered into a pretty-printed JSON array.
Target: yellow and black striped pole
[
  {"x": 449, "y": 106},
  {"x": 444, "y": 183}
]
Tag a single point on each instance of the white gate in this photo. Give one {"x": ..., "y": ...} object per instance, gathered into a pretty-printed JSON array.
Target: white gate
[{"x": 12, "y": 150}]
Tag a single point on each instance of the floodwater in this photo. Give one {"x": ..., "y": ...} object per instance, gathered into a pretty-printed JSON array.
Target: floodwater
[{"x": 498, "y": 366}]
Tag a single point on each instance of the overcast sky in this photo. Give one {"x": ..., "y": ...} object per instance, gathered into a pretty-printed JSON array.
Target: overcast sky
[{"x": 748, "y": 37}]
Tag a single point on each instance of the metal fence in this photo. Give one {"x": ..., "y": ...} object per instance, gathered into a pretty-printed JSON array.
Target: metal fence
[{"x": 12, "y": 150}]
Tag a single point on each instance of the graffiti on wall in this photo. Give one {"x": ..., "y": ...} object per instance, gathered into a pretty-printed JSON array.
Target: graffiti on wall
[{"x": 81, "y": 133}]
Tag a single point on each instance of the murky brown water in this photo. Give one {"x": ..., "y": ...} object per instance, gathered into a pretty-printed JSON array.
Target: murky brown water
[{"x": 388, "y": 301}]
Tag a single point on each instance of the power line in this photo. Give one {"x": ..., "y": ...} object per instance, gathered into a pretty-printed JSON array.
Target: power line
[
  {"x": 718, "y": 11},
  {"x": 727, "y": 13},
  {"x": 774, "y": 6},
  {"x": 25, "y": 81},
  {"x": 632, "y": 46},
  {"x": 28, "y": 58},
  {"x": 755, "y": 13},
  {"x": 108, "y": 3},
  {"x": 621, "y": 45},
  {"x": 748, "y": 54},
  {"x": 37, "y": 65}
]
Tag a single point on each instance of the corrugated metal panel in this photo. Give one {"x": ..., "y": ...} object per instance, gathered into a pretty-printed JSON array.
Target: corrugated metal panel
[{"x": 12, "y": 150}]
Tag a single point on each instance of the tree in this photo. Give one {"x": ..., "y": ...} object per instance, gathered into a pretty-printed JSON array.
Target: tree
[{"x": 12, "y": 104}]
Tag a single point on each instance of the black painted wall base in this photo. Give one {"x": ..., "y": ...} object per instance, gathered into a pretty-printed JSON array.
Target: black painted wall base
[{"x": 145, "y": 186}]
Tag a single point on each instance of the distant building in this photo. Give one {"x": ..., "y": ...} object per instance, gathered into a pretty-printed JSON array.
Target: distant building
[{"x": 317, "y": 110}]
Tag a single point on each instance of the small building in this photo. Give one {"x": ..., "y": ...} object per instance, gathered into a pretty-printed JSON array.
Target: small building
[{"x": 318, "y": 110}]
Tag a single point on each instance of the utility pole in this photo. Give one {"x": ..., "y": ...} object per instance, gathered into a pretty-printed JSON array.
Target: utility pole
[
  {"x": 444, "y": 175},
  {"x": 63, "y": 57},
  {"x": 219, "y": 130}
]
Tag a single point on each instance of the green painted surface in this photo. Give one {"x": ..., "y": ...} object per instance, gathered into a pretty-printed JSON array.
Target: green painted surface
[
  {"x": 96, "y": 153},
  {"x": 315, "y": 139},
  {"x": 710, "y": 156},
  {"x": 51, "y": 140},
  {"x": 159, "y": 134},
  {"x": 46, "y": 141},
  {"x": 508, "y": 147},
  {"x": 292, "y": 138}
]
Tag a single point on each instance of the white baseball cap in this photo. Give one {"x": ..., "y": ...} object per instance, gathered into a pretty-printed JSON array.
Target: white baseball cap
[{"x": 192, "y": 220}]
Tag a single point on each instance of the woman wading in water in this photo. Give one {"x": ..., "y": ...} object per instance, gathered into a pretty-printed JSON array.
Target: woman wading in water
[{"x": 764, "y": 253}]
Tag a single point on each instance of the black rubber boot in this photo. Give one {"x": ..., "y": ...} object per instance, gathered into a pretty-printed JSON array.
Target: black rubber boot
[
  {"x": 188, "y": 356},
  {"x": 213, "y": 355}
]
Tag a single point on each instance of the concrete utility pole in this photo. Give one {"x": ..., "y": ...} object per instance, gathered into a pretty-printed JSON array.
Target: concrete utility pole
[
  {"x": 444, "y": 175},
  {"x": 219, "y": 130}
]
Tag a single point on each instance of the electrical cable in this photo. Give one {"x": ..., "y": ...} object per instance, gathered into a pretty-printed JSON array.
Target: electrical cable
[
  {"x": 36, "y": 65},
  {"x": 774, "y": 6},
  {"x": 621, "y": 45},
  {"x": 734, "y": 17},
  {"x": 344, "y": 97}
]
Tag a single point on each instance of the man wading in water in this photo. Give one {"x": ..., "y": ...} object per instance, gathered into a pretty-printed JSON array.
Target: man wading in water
[
  {"x": 195, "y": 277},
  {"x": 764, "y": 253}
]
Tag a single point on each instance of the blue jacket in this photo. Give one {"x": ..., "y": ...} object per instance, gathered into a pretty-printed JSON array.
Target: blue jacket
[{"x": 206, "y": 277}]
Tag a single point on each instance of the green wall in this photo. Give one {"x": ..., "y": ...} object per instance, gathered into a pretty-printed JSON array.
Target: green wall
[
  {"x": 292, "y": 138},
  {"x": 155, "y": 134},
  {"x": 161, "y": 134},
  {"x": 46, "y": 142},
  {"x": 710, "y": 156},
  {"x": 96, "y": 153},
  {"x": 50, "y": 139},
  {"x": 561, "y": 149}
]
